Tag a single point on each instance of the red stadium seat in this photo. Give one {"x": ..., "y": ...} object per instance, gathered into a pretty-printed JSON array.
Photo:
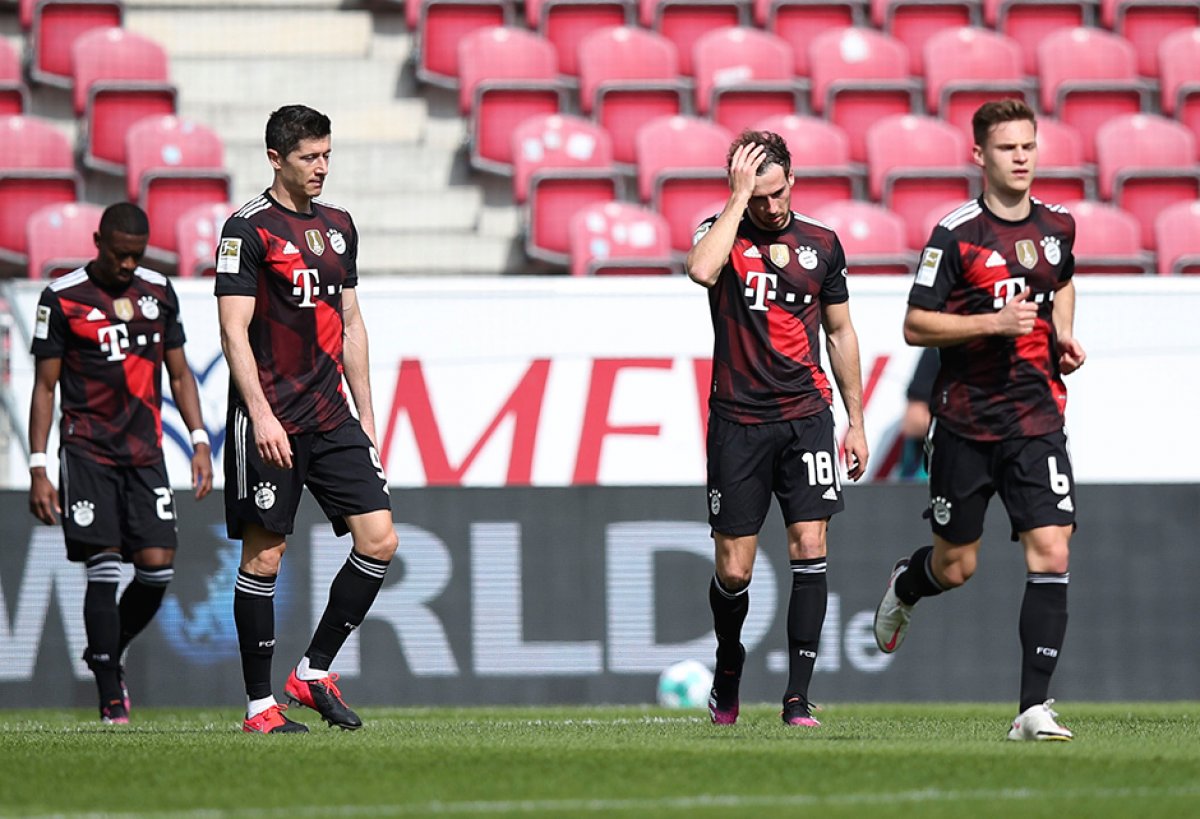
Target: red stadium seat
[
  {"x": 561, "y": 164},
  {"x": 1145, "y": 163},
  {"x": 1062, "y": 174},
  {"x": 627, "y": 77},
  {"x": 820, "y": 160},
  {"x": 442, "y": 26},
  {"x": 618, "y": 237},
  {"x": 743, "y": 75},
  {"x": 1089, "y": 76},
  {"x": 683, "y": 22},
  {"x": 875, "y": 239},
  {"x": 1107, "y": 240},
  {"x": 913, "y": 22},
  {"x": 37, "y": 168},
  {"x": 61, "y": 237},
  {"x": 173, "y": 165},
  {"x": 119, "y": 78},
  {"x": 196, "y": 235},
  {"x": 860, "y": 76},
  {"x": 915, "y": 162},
  {"x": 1146, "y": 23},
  {"x": 1178, "y": 237},
  {"x": 681, "y": 165},
  {"x": 1029, "y": 21},
  {"x": 966, "y": 67},
  {"x": 508, "y": 76},
  {"x": 1179, "y": 63},
  {"x": 14, "y": 97},
  {"x": 567, "y": 23},
  {"x": 798, "y": 22},
  {"x": 56, "y": 26}
]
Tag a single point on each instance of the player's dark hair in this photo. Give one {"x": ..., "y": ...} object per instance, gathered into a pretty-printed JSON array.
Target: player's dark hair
[
  {"x": 777, "y": 152},
  {"x": 291, "y": 124},
  {"x": 996, "y": 112},
  {"x": 124, "y": 217}
]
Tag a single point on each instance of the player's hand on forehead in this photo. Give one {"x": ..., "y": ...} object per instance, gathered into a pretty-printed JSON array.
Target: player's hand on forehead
[{"x": 743, "y": 167}]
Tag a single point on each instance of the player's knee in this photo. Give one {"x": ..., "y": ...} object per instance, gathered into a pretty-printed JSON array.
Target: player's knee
[
  {"x": 734, "y": 578},
  {"x": 154, "y": 576},
  {"x": 380, "y": 545},
  {"x": 809, "y": 546}
]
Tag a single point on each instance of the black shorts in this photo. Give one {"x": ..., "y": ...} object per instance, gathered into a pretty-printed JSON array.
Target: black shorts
[
  {"x": 747, "y": 463},
  {"x": 104, "y": 506},
  {"x": 340, "y": 467},
  {"x": 1033, "y": 477}
]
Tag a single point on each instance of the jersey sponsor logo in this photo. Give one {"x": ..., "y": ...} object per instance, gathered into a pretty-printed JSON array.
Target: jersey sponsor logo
[
  {"x": 83, "y": 513},
  {"x": 290, "y": 249},
  {"x": 995, "y": 260},
  {"x": 41, "y": 326},
  {"x": 114, "y": 340},
  {"x": 779, "y": 255},
  {"x": 1027, "y": 253},
  {"x": 941, "y": 510},
  {"x": 123, "y": 308},
  {"x": 928, "y": 267},
  {"x": 807, "y": 257},
  {"x": 1006, "y": 289},
  {"x": 337, "y": 241},
  {"x": 229, "y": 256},
  {"x": 1051, "y": 249},
  {"x": 305, "y": 281},
  {"x": 316, "y": 242},
  {"x": 149, "y": 306},
  {"x": 264, "y": 495},
  {"x": 760, "y": 286}
]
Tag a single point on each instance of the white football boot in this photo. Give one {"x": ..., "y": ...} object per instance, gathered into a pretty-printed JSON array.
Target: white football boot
[
  {"x": 892, "y": 615},
  {"x": 1038, "y": 723}
]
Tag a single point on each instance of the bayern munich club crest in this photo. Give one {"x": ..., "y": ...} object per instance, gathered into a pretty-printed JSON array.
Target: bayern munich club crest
[
  {"x": 941, "y": 510},
  {"x": 714, "y": 501},
  {"x": 264, "y": 495},
  {"x": 337, "y": 241},
  {"x": 149, "y": 306}
]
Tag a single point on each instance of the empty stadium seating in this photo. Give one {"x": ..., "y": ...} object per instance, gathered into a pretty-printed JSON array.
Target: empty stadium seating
[
  {"x": 56, "y": 24},
  {"x": 1179, "y": 63},
  {"x": 197, "y": 232},
  {"x": 1030, "y": 21},
  {"x": 14, "y": 97},
  {"x": 1062, "y": 172},
  {"x": 36, "y": 169},
  {"x": 1178, "y": 238},
  {"x": 566, "y": 23},
  {"x": 1107, "y": 240},
  {"x": 620, "y": 237},
  {"x": 683, "y": 22},
  {"x": 61, "y": 237},
  {"x": 913, "y": 22},
  {"x": 743, "y": 75},
  {"x": 442, "y": 25},
  {"x": 681, "y": 166},
  {"x": 966, "y": 67},
  {"x": 798, "y": 22},
  {"x": 874, "y": 238},
  {"x": 1146, "y": 23}
]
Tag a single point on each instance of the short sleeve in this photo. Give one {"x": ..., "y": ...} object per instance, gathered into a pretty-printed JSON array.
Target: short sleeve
[
  {"x": 834, "y": 289},
  {"x": 240, "y": 254},
  {"x": 49, "y": 327},
  {"x": 173, "y": 335},
  {"x": 938, "y": 270},
  {"x": 351, "y": 261}
]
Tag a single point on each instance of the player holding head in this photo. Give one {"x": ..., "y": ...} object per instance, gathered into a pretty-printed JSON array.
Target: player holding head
[
  {"x": 774, "y": 279},
  {"x": 993, "y": 293},
  {"x": 290, "y": 325},
  {"x": 103, "y": 332}
]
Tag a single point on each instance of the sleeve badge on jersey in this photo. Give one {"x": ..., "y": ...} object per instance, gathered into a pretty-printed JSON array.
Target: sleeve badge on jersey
[
  {"x": 41, "y": 328},
  {"x": 927, "y": 270},
  {"x": 700, "y": 231},
  {"x": 229, "y": 256}
]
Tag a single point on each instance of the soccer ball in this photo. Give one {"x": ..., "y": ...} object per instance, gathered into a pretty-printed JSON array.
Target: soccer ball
[{"x": 684, "y": 685}]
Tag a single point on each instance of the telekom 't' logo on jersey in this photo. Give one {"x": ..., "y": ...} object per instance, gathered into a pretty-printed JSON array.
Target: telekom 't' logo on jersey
[
  {"x": 760, "y": 286},
  {"x": 114, "y": 340},
  {"x": 305, "y": 281},
  {"x": 1005, "y": 290}
]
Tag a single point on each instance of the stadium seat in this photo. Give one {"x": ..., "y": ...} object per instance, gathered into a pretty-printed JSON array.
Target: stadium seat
[
  {"x": 561, "y": 164},
  {"x": 14, "y": 97},
  {"x": 913, "y": 22},
  {"x": 1178, "y": 238},
  {"x": 119, "y": 78},
  {"x": 860, "y": 76},
  {"x": 875, "y": 239},
  {"x": 1179, "y": 64},
  {"x": 937, "y": 212},
  {"x": 1107, "y": 240},
  {"x": 820, "y": 160},
  {"x": 1029, "y": 21},
  {"x": 915, "y": 162},
  {"x": 743, "y": 75},
  {"x": 566, "y": 23},
  {"x": 1089, "y": 76},
  {"x": 173, "y": 165},
  {"x": 442, "y": 26},
  {"x": 56, "y": 25},
  {"x": 37, "y": 168},
  {"x": 966, "y": 67},
  {"x": 683, "y": 22},
  {"x": 508, "y": 75},
  {"x": 619, "y": 237},
  {"x": 1146, "y": 162},
  {"x": 1146, "y": 23},
  {"x": 627, "y": 77},
  {"x": 681, "y": 166},
  {"x": 61, "y": 237},
  {"x": 1062, "y": 173},
  {"x": 797, "y": 22},
  {"x": 196, "y": 234}
]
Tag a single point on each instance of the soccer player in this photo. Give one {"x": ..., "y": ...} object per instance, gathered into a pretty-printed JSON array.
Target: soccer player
[
  {"x": 104, "y": 332},
  {"x": 290, "y": 327},
  {"x": 774, "y": 278},
  {"x": 993, "y": 293}
]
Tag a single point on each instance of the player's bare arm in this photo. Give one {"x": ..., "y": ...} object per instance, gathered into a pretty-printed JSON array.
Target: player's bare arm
[
  {"x": 841, "y": 342},
  {"x": 235, "y": 313},
  {"x": 43, "y": 497},
  {"x": 356, "y": 362},
  {"x": 1070, "y": 352},
  {"x": 187, "y": 398},
  {"x": 932, "y": 328},
  {"x": 708, "y": 256}
]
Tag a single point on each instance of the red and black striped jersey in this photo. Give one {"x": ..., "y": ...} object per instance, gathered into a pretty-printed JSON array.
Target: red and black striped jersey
[
  {"x": 995, "y": 388},
  {"x": 295, "y": 265},
  {"x": 112, "y": 343},
  {"x": 766, "y": 314}
]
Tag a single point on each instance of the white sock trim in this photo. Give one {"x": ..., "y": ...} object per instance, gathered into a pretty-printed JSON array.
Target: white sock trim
[
  {"x": 305, "y": 671},
  {"x": 256, "y": 707}
]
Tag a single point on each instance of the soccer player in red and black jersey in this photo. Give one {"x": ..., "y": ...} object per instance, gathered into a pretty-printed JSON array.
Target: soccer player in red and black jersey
[
  {"x": 993, "y": 292},
  {"x": 774, "y": 279},
  {"x": 103, "y": 332},
  {"x": 291, "y": 328}
]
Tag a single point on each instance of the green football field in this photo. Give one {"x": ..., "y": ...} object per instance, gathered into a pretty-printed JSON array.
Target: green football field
[{"x": 1128, "y": 760}]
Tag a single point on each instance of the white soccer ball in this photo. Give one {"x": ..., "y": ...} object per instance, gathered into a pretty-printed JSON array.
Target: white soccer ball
[{"x": 684, "y": 685}]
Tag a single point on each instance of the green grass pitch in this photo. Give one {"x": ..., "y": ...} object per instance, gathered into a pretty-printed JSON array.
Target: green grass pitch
[{"x": 1128, "y": 760}]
